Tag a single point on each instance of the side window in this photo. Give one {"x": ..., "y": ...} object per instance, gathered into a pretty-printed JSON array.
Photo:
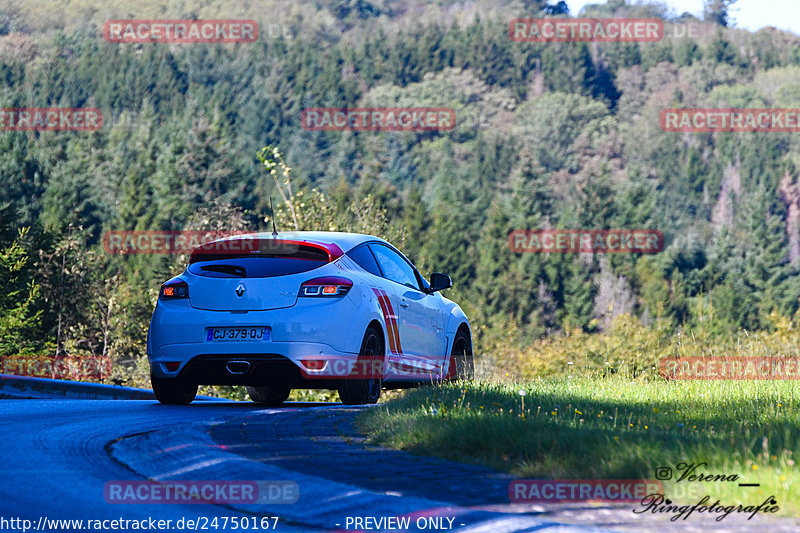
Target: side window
[
  {"x": 364, "y": 258},
  {"x": 394, "y": 266}
]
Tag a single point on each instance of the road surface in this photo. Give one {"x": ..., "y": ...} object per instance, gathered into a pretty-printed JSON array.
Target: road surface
[{"x": 58, "y": 456}]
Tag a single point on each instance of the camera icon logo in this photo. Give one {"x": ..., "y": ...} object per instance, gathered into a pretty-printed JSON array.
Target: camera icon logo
[{"x": 663, "y": 473}]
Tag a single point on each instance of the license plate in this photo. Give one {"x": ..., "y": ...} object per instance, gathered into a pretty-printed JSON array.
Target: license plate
[{"x": 238, "y": 334}]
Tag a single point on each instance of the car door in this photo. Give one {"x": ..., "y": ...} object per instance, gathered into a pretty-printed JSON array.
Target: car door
[{"x": 419, "y": 316}]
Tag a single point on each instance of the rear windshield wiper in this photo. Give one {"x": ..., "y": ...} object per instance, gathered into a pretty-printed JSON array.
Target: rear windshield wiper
[{"x": 235, "y": 270}]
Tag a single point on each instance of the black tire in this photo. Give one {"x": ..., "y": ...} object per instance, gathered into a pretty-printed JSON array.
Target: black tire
[
  {"x": 365, "y": 391},
  {"x": 462, "y": 367},
  {"x": 271, "y": 395},
  {"x": 173, "y": 391}
]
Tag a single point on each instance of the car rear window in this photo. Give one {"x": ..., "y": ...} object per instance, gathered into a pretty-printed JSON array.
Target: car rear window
[{"x": 257, "y": 264}]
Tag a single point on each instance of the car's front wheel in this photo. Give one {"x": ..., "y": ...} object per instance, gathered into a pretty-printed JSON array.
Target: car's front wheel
[
  {"x": 461, "y": 364},
  {"x": 356, "y": 391},
  {"x": 271, "y": 395},
  {"x": 173, "y": 391}
]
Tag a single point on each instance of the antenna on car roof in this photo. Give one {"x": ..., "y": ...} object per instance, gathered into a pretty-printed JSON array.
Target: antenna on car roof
[{"x": 272, "y": 210}]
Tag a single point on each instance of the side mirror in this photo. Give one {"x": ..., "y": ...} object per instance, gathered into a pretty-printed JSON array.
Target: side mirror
[{"x": 440, "y": 282}]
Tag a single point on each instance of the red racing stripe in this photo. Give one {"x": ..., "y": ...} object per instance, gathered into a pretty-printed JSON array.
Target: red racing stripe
[
  {"x": 393, "y": 318},
  {"x": 386, "y": 319}
]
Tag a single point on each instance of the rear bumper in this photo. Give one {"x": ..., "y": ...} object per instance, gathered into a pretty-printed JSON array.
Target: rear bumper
[
  {"x": 178, "y": 335},
  {"x": 261, "y": 363},
  {"x": 249, "y": 369}
]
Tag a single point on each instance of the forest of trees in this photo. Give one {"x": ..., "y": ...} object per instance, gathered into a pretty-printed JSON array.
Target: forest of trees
[{"x": 548, "y": 135}]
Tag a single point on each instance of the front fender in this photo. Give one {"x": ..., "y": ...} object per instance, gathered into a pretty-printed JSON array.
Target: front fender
[{"x": 454, "y": 319}]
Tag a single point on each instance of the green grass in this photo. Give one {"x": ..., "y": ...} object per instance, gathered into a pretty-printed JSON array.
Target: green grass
[{"x": 587, "y": 428}]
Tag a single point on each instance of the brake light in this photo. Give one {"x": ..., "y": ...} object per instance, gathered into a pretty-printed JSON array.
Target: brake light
[
  {"x": 172, "y": 290},
  {"x": 326, "y": 286},
  {"x": 314, "y": 364}
]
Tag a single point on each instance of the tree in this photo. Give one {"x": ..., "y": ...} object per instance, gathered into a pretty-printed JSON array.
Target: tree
[
  {"x": 720, "y": 50},
  {"x": 578, "y": 292},
  {"x": 415, "y": 222},
  {"x": 559, "y": 8},
  {"x": 18, "y": 319},
  {"x": 72, "y": 192},
  {"x": 205, "y": 168},
  {"x": 717, "y": 11},
  {"x": 22, "y": 179}
]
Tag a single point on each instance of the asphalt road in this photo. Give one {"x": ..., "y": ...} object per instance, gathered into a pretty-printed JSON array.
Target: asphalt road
[
  {"x": 57, "y": 456},
  {"x": 54, "y": 461}
]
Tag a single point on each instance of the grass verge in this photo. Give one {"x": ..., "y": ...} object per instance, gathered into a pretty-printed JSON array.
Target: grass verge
[{"x": 585, "y": 428}]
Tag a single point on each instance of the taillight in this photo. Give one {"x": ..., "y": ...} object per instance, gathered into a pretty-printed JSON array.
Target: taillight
[
  {"x": 173, "y": 290},
  {"x": 314, "y": 364},
  {"x": 326, "y": 286}
]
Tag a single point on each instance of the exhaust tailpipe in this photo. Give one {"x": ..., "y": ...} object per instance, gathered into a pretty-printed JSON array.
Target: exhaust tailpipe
[{"x": 238, "y": 367}]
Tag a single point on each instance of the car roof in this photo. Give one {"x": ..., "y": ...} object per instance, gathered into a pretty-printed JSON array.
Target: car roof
[{"x": 345, "y": 241}]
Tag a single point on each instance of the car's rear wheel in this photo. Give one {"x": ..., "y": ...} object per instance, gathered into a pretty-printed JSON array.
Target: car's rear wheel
[
  {"x": 173, "y": 391},
  {"x": 461, "y": 363},
  {"x": 272, "y": 395},
  {"x": 363, "y": 391}
]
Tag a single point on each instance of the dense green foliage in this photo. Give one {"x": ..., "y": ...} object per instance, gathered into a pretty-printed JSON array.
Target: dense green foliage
[{"x": 548, "y": 135}]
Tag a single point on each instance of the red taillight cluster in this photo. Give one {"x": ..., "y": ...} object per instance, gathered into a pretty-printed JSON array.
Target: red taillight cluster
[
  {"x": 314, "y": 364},
  {"x": 173, "y": 290},
  {"x": 326, "y": 286}
]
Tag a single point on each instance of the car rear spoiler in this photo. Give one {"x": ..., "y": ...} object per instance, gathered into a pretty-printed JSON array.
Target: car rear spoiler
[{"x": 239, "y": 245}]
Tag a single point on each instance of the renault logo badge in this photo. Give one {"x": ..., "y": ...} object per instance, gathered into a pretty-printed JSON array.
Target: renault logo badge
[{"x": 240, "y": 289}]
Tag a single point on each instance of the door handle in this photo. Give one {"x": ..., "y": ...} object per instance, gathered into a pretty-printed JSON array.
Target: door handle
[{"x": 403, "y": 303}]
